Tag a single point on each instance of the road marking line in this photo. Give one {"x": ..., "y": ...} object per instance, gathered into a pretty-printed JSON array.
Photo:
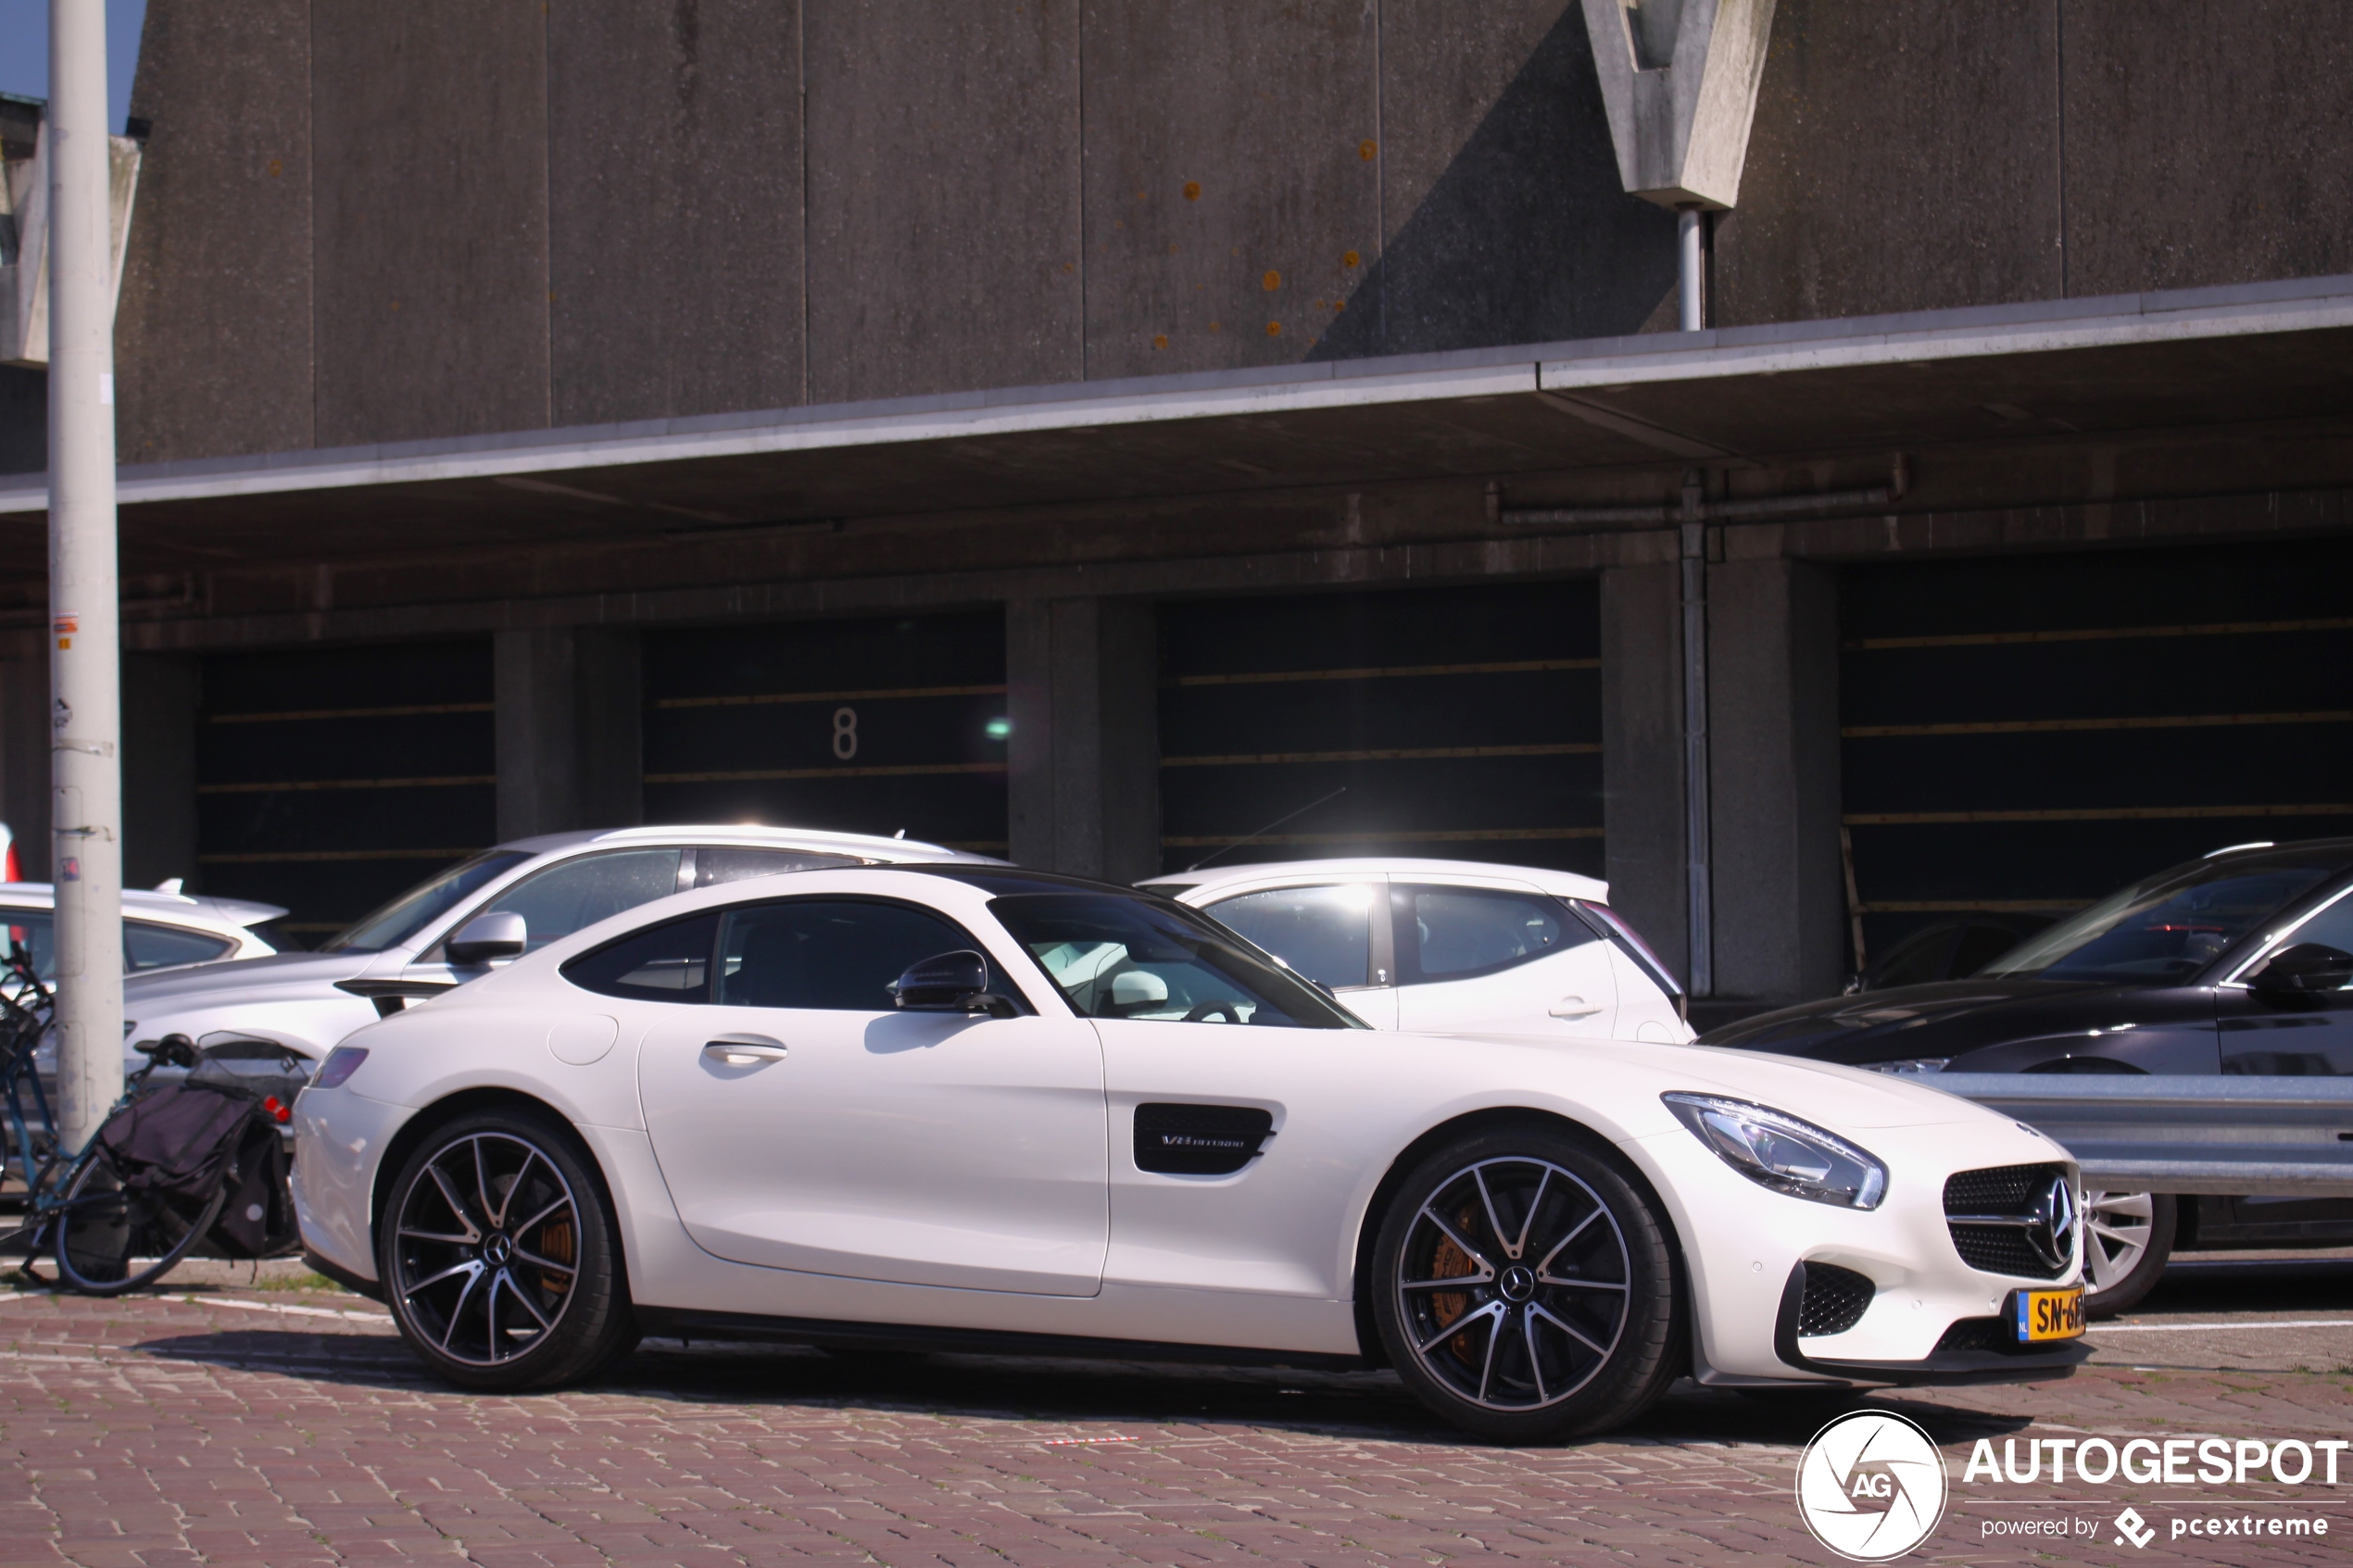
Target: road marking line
[{"x": 277, "y": 1307}]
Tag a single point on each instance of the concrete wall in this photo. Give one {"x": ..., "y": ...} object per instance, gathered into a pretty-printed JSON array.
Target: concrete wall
[
  {"x": 1083, "y": 765},
  {"x": 1645, "y": 834},
  {"x": 364, "y": 223},
  {"x": 160, "y": 702},
  {"x": 567, "y": 725}
]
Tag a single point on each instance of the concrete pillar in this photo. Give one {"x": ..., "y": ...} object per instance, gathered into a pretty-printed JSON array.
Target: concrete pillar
[
  {"x": 24, "y": 761},
  {"x": 1083, "y": 762},
  {"x": 567, "y": 730},
  {"x": 159, "y": 701},
  {"x": 1643, "y": 756},
  {"x": 1774, "y": 775}
]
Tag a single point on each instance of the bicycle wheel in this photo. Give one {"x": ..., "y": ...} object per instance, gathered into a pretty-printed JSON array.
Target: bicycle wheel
[{"x": 112, "y": 1239}]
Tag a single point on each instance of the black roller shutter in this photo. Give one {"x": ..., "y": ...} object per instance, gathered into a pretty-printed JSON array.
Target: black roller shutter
[
  {"x": 856, "y": 726},
  {"x": 328, "y": 780},
  {"x": 2024, "y": 735},
  {"x": 1465, "y": 723}
]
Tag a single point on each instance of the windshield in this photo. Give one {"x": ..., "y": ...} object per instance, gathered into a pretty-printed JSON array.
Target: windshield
[
  {"x": 2164, "y": 929},
  {"x": 394, "y": 924},
  {"x": 1114, "y": 957}
]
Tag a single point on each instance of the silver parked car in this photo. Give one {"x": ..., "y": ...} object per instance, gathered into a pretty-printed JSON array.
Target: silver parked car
[
  {"x": 161, "y": 929},
  {"x": 512, "y": 899}
]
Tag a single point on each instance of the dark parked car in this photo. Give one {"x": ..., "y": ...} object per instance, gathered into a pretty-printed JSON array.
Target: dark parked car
[
  {"x": 2239, "y": 962},
  {"x": 1948, "y": 949}
]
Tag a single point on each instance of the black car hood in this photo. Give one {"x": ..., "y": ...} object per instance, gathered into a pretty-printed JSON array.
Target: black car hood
[{"x": 1942, "y": 1020}]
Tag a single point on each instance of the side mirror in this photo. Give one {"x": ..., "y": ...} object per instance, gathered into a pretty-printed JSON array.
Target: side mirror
[
  {"x": 499, "y": 934},
  {"x": 2303, "y": 969},
  {"x": 949, "y": 983}
]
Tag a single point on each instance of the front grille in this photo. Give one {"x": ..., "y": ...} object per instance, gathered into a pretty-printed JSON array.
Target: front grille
[
  {"x": 1834, "y": 1301},
  {"x": 1975, "y": 1334},
  {"x": 2003, "y": 1190}
]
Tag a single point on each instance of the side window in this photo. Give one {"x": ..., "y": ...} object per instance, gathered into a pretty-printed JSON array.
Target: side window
[
  {"x": 1323, "y": 933},
  {"x": 836, "y": 955},
  {"x": 2332, "y": 927},
  {"x": 715, "y": 865},
  {"x": 158, "y": 946},
  {"x": 670, "y": 963},
  {"x": 565, "y": 898},
  {"x": 1461, "y": 933},
  {"x": 35, "y": 932}
]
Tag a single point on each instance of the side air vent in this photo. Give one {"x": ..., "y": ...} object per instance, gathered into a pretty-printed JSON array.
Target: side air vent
[
  {"x": 2015, "y": 1219},
  {"x": 1834, "y": 1301},
  {"x": 1200, "y": 1140},
  {"x": 1975, "y": 1334}
]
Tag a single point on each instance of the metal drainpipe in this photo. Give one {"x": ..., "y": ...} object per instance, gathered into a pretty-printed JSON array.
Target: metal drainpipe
[
  {"x": 1690, "y": 229},
  {"x": 1698, "y": 888}
]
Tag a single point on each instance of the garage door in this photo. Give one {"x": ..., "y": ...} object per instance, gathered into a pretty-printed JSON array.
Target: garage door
[
  {"x": 2024, "y": 735},
  {"x": 859, "y": 726},
  {"x": 330, "y": 779},
  {"x": 1461, "y": 722}
]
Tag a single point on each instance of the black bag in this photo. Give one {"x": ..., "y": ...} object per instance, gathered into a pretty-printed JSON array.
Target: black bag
[
  {"x": 258, "y": 1217},
  {"x": 179, "y": 1138}
]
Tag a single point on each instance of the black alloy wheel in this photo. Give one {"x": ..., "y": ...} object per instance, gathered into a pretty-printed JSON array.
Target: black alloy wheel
[
  {"x": 1526, "y": 1290},
  {"x": 500, "y": 1258}
]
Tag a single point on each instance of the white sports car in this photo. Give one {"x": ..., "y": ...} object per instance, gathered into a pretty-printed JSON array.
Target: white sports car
[{"x": 973, "y": 1107}]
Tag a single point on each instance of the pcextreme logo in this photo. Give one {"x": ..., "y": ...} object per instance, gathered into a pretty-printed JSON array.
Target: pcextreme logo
[{"x": 1870, "y": 1486}]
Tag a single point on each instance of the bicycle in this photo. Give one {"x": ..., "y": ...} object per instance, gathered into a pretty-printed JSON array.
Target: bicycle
[{"x": 108, "y": 1234}]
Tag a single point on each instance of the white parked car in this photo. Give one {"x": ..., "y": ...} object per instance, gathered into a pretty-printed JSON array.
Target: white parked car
[
  {"x": 533, "y": 892},
  {"x": 162, "y": 929},
  {"x": 984, "y": 1108},
  {"x": 1438, "y": 946}
]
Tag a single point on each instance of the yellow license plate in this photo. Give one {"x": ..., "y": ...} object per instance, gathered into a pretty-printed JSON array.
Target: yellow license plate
[{"x": 2050, "y": 1314}]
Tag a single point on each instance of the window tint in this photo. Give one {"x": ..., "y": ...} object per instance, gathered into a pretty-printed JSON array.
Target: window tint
[
  {"x": 2164, "y": 929},
  {"x": 713, "y": 866},
  {"x": 421, "y": 905},
  {"x": 2332, "y": 927},
  {"x": 1115, "y": 957},
  {"x": 1456, "y": 932},
  {"x": 838, "y": 955},
  {"x": 157, "y": 946},
  {"x": 576, "y": 893},
  {"x": 35, "y": 932},
  {"x": 1323, "y": 933},
  {"x": 670, "y": 963}
]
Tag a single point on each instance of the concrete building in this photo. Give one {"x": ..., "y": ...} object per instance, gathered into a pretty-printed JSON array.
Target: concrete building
[{"x": 1091, "y": 432}]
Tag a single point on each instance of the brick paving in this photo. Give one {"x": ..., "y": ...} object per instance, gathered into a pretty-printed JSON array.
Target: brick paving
[{"x": 234, "y": 1425}]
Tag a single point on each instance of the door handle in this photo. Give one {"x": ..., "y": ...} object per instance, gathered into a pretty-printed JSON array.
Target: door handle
[
  {"x": 1573, "y": 1007},
  {"x": 744, "y": 1052}
]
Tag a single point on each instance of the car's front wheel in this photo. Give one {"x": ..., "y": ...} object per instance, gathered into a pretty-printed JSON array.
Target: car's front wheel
[
  {"x": 2128, "y": 1236},
  {"x": 1525, "y": 1288},
  {"x": 500, "y": 1258}
]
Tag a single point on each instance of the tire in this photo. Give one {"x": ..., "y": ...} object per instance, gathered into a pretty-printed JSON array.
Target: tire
[
  {"x": 2128, "y": 1238},
  {"x": 111, "y": 1238},
  {"x": 1569, "y": 1326},
  {"x": 500, "y": 1259}
]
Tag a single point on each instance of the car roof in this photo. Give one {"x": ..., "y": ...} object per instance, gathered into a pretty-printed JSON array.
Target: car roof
[
  {"x": 1565, "y": 885},
  {"x": 751, "y": 835},
  {"x": 192, "y": 907}
]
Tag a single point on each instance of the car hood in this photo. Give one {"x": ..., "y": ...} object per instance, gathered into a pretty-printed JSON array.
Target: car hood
[
  {"x": 277, "y": 978},
  {"x": 1944, "y": 1019}
]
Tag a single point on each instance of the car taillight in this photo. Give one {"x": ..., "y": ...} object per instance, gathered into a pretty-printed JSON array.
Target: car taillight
[
  {"x": 284, "y": 1113},
  {"x": 341, "y": 1063}
]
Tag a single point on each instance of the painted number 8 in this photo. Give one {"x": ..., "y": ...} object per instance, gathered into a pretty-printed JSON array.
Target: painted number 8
[{"x": 845, "y": 733}]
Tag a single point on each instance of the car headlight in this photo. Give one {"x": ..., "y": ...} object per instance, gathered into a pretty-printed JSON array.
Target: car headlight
[{"x": 1776, "y": 1150}]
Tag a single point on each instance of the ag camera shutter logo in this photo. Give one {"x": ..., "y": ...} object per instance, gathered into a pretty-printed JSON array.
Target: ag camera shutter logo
[{"x": 1870, "y": 1486}]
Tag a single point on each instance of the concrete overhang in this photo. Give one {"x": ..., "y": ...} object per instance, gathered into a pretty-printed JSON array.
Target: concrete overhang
[{"x": 2184, "y": 359}]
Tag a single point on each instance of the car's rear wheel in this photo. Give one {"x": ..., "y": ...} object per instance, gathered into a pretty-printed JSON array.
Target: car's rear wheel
[
  {"x": 500, "y": 1258},
  {"x": 2128, "y": 1236},
  {"x": 1525, "y": 1288}
]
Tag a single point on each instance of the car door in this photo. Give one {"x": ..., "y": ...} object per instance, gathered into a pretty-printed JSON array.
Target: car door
[
  {"x": 802, "y": 1121},
  {"x": 1500, "y": 959},
  {"x": 1242, "y": 1113},
  {"x": 1334, "y": 932}
]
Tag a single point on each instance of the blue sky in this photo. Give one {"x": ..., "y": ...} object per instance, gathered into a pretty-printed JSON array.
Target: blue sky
[{"x": 24, "y": 51}]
